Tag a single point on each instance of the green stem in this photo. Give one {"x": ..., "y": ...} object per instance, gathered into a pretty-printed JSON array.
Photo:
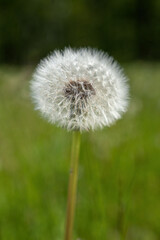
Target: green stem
[{"x": 72, "y": 189}]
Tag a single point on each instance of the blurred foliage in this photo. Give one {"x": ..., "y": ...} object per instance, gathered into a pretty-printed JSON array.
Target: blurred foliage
[
  {"x": 118, "y": 174},
  {"x": 127, "y": 29}
]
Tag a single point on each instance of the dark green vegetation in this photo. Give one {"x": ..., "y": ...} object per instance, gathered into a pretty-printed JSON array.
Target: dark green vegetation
[
  {"x": 119, "y": 173},
  {"x": 128, "y": 29}
]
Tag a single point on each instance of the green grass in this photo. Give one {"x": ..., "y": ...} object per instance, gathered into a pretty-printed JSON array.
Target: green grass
[{"x": 119, "y": 172}]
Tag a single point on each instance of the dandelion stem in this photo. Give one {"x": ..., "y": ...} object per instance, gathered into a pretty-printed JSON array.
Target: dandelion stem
[{"x": 72, "y": 185}]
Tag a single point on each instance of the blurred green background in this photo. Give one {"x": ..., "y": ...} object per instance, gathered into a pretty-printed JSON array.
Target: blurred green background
[
  {"x": 119, "y": 173},
  {"x": 127, "y": 29}
]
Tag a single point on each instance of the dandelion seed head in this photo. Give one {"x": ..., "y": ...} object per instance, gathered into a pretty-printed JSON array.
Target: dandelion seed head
[{"x": 80, "y": 89}]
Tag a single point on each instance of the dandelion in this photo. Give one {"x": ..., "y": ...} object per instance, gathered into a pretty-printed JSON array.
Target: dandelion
[{"x": 79, "y": 90}]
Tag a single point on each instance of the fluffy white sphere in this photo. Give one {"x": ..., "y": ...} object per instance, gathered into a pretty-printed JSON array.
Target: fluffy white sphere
[{"x": 80, "y": 89}]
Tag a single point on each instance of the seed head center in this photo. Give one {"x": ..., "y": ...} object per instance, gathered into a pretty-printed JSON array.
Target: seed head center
[{"x": 79, "y": 90}]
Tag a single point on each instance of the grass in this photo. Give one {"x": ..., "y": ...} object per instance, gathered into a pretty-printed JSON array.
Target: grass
[{"x": 118, "y": 189}]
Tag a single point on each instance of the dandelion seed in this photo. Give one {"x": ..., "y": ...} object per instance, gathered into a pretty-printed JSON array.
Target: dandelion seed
[{"x": 80, "y": 89}]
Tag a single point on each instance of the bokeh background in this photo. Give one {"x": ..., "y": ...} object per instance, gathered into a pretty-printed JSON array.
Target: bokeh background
[{"x": 119, "y": 173}]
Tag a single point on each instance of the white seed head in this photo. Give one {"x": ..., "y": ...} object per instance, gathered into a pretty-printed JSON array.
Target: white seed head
[{"x": 80, "y": 89}]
